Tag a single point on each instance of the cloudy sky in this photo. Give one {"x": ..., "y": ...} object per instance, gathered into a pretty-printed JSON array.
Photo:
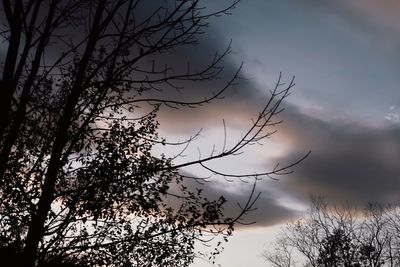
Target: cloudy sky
[{"x": 345, "y": 107}]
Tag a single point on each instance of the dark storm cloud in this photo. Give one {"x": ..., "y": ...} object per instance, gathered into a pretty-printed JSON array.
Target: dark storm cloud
[
  {"x": 237, "y": 100},
  {"x": 205, "y": 46},
  {"x": 348, "y": 161},
  {"x": 267, "y": 209},
  {"x": 209, "y": 44}
]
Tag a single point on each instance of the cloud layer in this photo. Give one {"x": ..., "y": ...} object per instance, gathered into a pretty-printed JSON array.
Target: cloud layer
[
  {"x": 354, "y": 154},
  {"x": 349, "y": 161}
]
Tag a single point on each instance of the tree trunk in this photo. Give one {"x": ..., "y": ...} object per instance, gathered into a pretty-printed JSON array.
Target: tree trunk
[
  {"x": 37, "y": 224},
  {"x": 8, "y": 84}
]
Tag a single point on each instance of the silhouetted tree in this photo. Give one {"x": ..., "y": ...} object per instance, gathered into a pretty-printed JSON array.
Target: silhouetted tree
[
  {"x": 338, "y": 249},
  {"x": 340, "y": 237},
  {"x": 80, "y": 181}
]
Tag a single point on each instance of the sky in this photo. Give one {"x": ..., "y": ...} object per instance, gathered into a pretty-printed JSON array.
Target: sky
[{"x": 345, "y": 108}]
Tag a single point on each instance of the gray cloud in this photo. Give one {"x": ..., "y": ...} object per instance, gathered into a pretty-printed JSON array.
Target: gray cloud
[
  {"x": 268, "y": 208},
  {"x": 349, "y": 161},
  {"x": 377, "y": 22},
  {"x": 267, "y": 211},
  {"x": 239, "y": 101}
]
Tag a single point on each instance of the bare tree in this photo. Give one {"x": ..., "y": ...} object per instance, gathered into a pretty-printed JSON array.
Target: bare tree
[
  {"x": 339, "y": 236},
  {"x": 79, "y": 179}
]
